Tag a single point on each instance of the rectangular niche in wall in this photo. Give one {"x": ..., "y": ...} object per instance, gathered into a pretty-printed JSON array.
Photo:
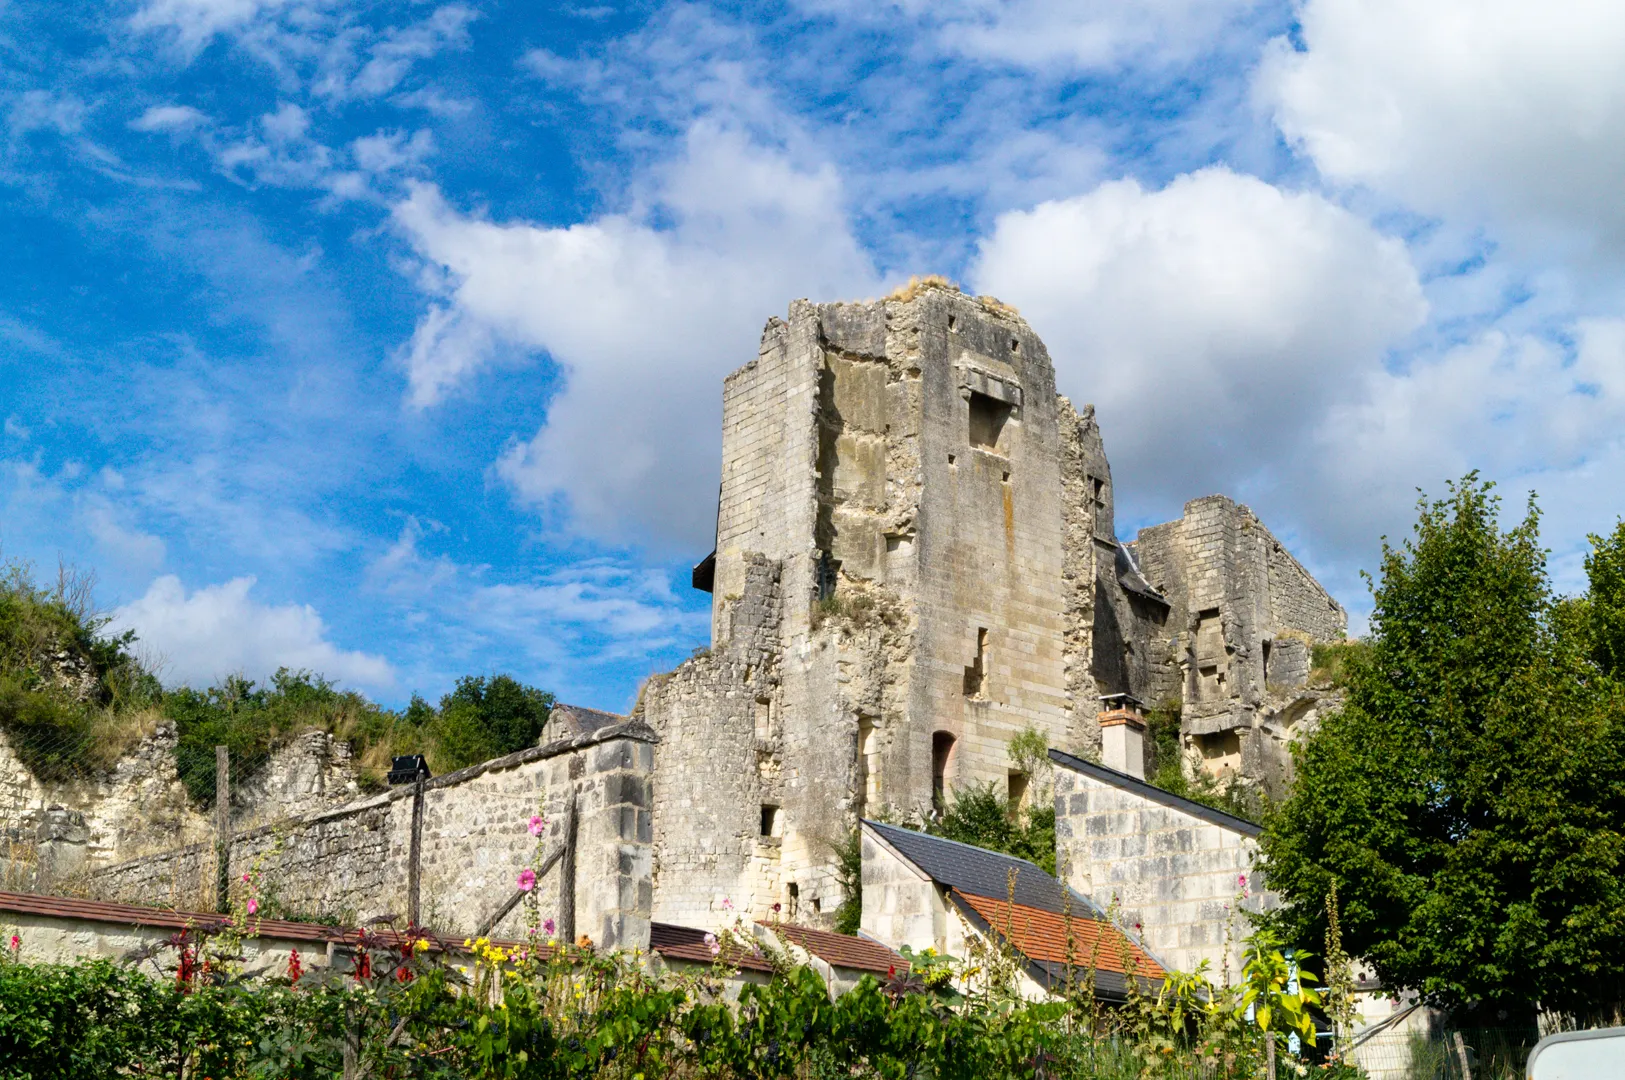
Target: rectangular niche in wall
[{"x": 987, "y": 419}]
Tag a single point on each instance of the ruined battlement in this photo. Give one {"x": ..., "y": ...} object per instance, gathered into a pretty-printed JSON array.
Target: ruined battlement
[{"x": 916, "y": 559}]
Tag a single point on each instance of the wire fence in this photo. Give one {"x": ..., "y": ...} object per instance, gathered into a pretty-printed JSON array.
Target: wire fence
[{"x": 1446, "y": 1054}]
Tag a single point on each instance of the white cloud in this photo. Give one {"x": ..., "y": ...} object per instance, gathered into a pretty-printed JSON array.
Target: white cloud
[
  {"x": 642, "y": 320},
  {"x": 194, "y": 23},
  {"x": 387, "y": 151},
  {"x": 178, "y": 118},
  {"x": 1212, "y": 322},
  {"x": 220, "y": 630},
  {"x": 1095, "y": 35},
  {"x": 561, "y": 626},
  {"x": 41, "y": 110},
  {"x": 1502, "y": 111},
  {"x": 16, "y": 429},
  {"x": 1524, "y": 410}
]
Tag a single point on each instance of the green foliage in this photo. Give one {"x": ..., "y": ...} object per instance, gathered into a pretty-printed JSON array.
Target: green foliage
[
  {"x": 849, "y": 875},
  {"x": 980, "y": 815},
  {"x": 63, "y": 680},
  {"x": 249, "y": 721},
  {"x": 1605, "y": 567},
  {"x": 1166, "y": 768},
  {"x": 1468, "y": 802},
  {"x": 1281, "y": 998},
  {"x": 1330, "y": 660},
  {"x": 483, "y": 718}
]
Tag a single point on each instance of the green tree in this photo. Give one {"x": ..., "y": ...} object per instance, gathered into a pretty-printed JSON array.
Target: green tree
[
  {"x": 483, "y": 718},
  {"x": 1605, "y": 567},
  {"x": 1468, "y": 802}
]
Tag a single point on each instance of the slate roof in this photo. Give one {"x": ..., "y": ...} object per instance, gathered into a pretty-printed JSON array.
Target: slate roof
[
  {"x": 688, "y": 943},
  {"x": 569, "y": 720},
  {"x": 842, "y": 950},
  {"x": 1139, "y": 787},
  {"x": 979, "y": 872}
]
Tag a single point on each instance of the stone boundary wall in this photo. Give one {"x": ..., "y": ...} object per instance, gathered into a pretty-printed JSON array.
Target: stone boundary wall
[
  {"x": 1173, "y": 867},
  {"x": 350, "y": 863},
  {"x": 140, "y": 805}
]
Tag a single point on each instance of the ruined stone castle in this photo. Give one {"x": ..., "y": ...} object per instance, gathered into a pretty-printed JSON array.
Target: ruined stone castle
[{"x": 916, "y": 560}]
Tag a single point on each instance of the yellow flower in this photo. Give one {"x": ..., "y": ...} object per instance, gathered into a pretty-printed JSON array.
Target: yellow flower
[
  {"x": 422, "y": 945},
  {"x": 468, "y": 943}
]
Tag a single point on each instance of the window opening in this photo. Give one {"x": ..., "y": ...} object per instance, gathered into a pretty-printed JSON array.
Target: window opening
[
  {"x": 1015, "y": 793},
  {"x": 764, "y": 718},
  {"x": 976, "y": 674},
  {"x": 987, "y": 420},
  {"x": 942, "y": 750},
  {"x": 770, "y": 820}
]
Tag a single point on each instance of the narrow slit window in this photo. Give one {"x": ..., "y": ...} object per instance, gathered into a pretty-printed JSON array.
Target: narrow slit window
[{"x": 770, "y": 820}]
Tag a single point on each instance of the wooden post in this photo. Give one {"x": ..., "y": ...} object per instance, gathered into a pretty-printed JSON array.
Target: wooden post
[
  {"x": 222, "y": 829},
  {"x": 567, "y": 877},
  {"x": 414, "y": 911},
  {"x": 1461, "y": 1055}
]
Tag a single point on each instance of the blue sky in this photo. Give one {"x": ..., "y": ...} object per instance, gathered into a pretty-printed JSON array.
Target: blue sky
[{"x": 386, "y": 339}]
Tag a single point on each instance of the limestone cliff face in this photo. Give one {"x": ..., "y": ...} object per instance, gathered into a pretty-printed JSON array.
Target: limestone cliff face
[{"x": 916, "y": 560}]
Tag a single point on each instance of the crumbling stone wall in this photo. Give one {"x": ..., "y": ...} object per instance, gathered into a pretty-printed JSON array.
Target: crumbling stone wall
[
  {"x": 350, "y": 862},
  {"x": 140, "y": 805},
  {"x": 1243, "y": 615}
]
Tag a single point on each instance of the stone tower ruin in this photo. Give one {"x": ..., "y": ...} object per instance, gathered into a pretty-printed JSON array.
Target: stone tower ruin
[{"x": 915, "y": 561}]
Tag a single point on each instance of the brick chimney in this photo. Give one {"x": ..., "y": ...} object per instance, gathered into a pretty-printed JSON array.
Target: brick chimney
[{"x": 1122, "y": 735}]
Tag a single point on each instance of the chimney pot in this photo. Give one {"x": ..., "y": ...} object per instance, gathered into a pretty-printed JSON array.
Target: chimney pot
[{"x": 1122, "y": 735}]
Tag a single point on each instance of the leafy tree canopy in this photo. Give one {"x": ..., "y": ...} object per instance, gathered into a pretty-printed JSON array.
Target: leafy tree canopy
[{"x": 1469, "y": 800}]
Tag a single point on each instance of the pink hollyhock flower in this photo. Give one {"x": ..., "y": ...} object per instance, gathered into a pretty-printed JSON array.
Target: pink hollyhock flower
[
  {"x": 547, "y": 927},
  {"x": 16, "y": 943},
  {"x": 527, "y": 879},
  {"x": 245, "y": 877},
  {"x": 712, "y": 944},
  {"x": 253, "y": 905},
  {"x": 727, "y": 904},
  {"x": 537, "y": 824},
  {"x": 1241, "y": 880}
]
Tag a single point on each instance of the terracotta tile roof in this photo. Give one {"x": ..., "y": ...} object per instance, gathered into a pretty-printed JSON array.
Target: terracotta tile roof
[
  {"x": 688, "y": 943},
  {"x": 102, "y": 911},
  {"x": 1042, "y": 935},
  {"x": 841, "y": 950}
]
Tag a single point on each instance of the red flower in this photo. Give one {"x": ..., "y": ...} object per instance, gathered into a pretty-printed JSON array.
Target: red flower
[
  {"x": 295, "y": 969},
  {"x": 363, "y": 965}
]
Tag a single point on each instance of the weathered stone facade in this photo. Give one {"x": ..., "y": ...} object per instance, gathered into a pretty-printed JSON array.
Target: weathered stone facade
[
  {"x": 1243, "y": 615},
  {"x": 916, "y": 560},
  {"x": 140, "y": 806},
  {"x": 1173, "y": 868},
  {"x": 350, "y": 861}
]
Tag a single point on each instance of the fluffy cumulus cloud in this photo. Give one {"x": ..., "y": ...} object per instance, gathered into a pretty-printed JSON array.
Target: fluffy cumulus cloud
[
  {"x": 1505, "y": 111},
  {"x": 1212, "y": 322},
  {"x": 220, "y": 630},
  {"x": 1524, "y": 409},
  {"x": 643, "y": 312}
]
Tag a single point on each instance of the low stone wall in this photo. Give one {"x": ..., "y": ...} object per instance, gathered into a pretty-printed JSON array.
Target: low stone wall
[
  {"x": 350, "y": 863},
  {"x": 1172, "y": 866}
]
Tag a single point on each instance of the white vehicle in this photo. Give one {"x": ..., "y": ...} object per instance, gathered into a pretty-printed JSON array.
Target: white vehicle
[{"x": 1579, "y": 1055}]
